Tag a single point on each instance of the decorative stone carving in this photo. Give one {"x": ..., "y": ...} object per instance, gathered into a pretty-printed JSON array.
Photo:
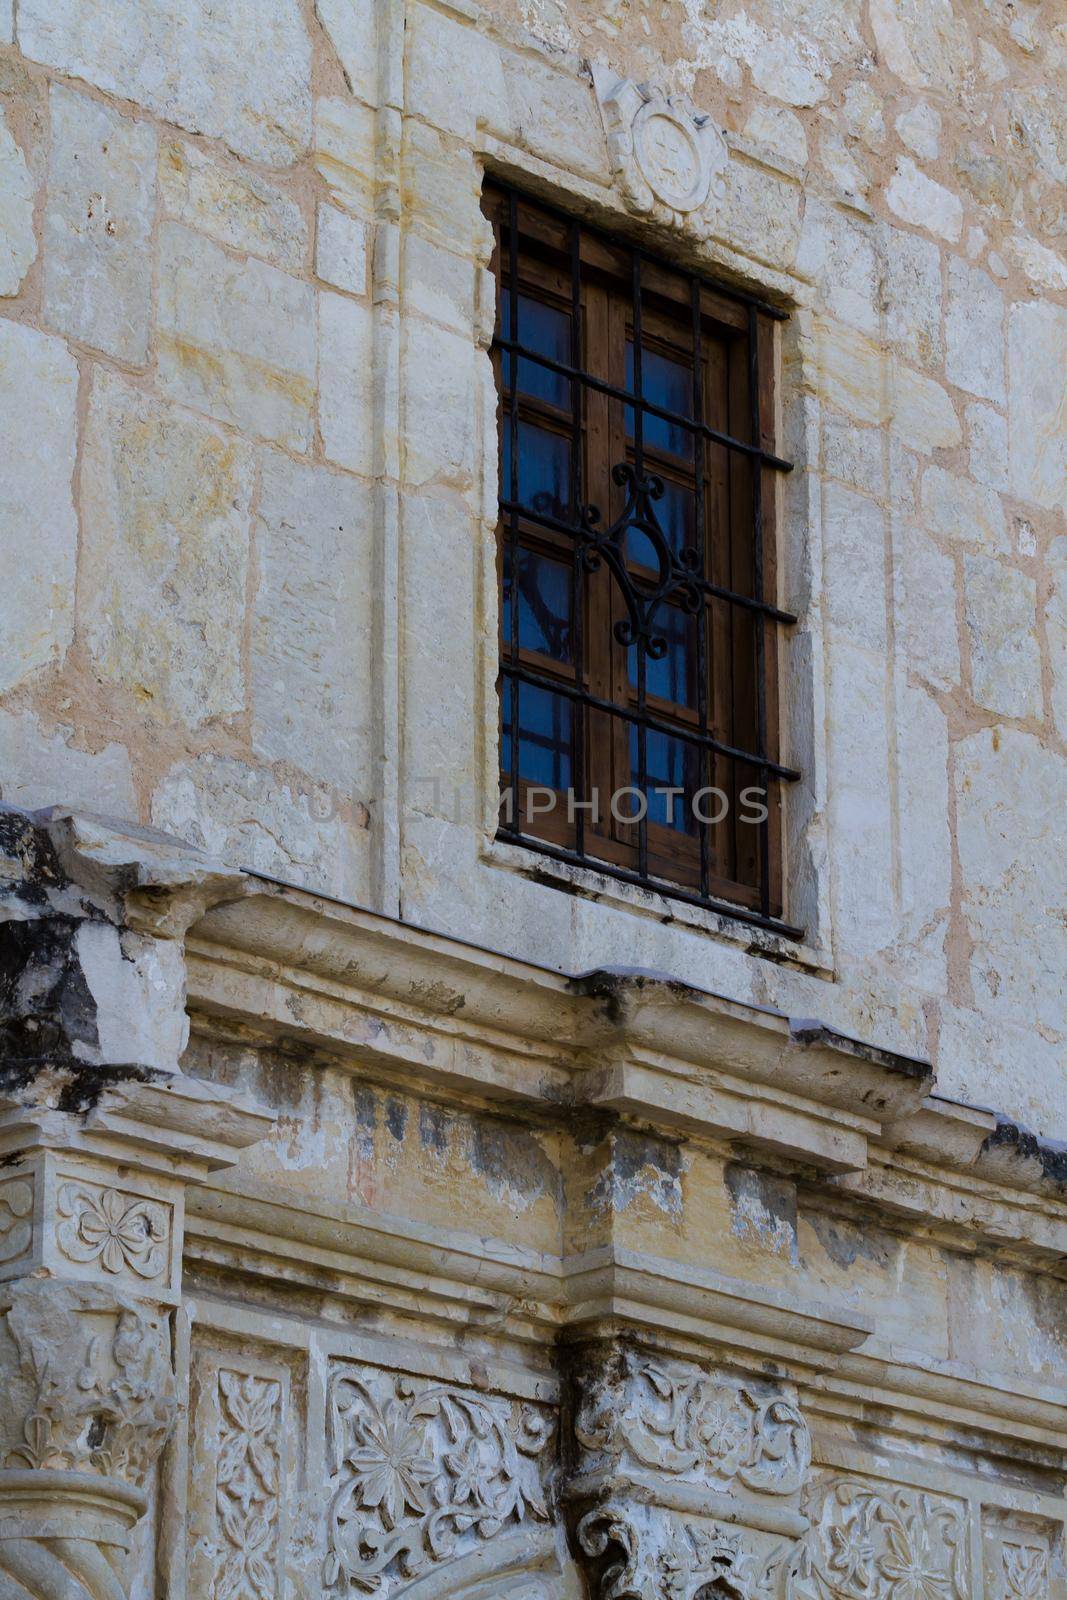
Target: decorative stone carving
[
  {"x": 247, "y": 1482},
  {"x": 688, "y": 1423},
  {"x": 422, "y": 1472},
  {"x": 668, "y": 161},
  {"x": 1016, "y": 1562},
  {"x": 881, "y": 1542},
  {"x": 16, "y": 1219},
  {"x": 124, "y": 1233},
  {"x": 652, "y": 1554}
]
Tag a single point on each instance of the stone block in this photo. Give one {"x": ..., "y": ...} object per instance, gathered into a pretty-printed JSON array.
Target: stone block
[
  {"x": 1056, "y": 631},
  {"x": 240, "y": 72},
  {"x": 920, "y": 128},
  {"x": 1014, "y": 873},
  {"x": 44, "y": 768},
  {"x": 852, "y": 453},
  {"x": 917, "y": 199},
  {"x": 987, "y": 436},
  {"x": 98, "y": 224},
  {"x": 311, "y": 663},
  {"x": 254, "y": 819},
  {"x": 853, "y": 375},
  {"x": 956, "y": 508},
  {"x": 1000, "y": 606},
  {"x": 38, "y": 527},
  {"x": 557, "y": 114},
  {"x": 778, "y": 131},
  {"x": 18, "y": 246},
  {"x": 456, "y": 80},
  {"x": 166, "y": 503},
  {"x": 234, "y": 205},
  {"x": 859, "y": 805},
  {"x": 974, "y": 328},
  {"x": 853, "y": 530},
  {"x": 837, "y": 254},
  {"x": 351, "y": 27},
  {"x": 1037, "y": 365},
  {"x": 923, "y": 413},
  {"x": 442, "y": 184},
  {"x": 438, "y": 380},
  {"x": 341, "y": 250},
  {"x": 760, "y": 213},
  {"x": 913, "y": 298},
  {"x": 345, "y": 152},
  {"x": 441, "y": 285},
  {"x": 925, "y": 841},
  {"x": 924, "y": 592},
  {"x": 236, "y": 338},
  {"x": 346, "y": 375},
  {"x": 984, "y": 1060},
  {"x": 440, "y": 673}
]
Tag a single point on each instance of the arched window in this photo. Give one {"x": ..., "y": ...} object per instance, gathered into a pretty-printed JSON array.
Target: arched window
[{"x": 639, "y": 632}]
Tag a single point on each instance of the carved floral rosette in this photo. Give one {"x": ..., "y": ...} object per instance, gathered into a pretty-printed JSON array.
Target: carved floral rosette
[
  {"x": 424, "y": 1472},
  {"x": 707, "y": 1428}
]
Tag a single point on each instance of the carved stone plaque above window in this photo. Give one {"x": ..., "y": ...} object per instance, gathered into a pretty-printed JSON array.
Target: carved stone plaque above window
[{"x": 668, "y": 161}]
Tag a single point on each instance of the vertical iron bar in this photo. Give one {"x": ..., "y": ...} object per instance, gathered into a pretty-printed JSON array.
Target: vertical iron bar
[
  {"x": 639, "y": 468},
  {"x": 579, "y": 730},
  {"x": 700, "y": 534},
  {"x": 513, "y": 490},
  {"x": 757, "y": 548}
]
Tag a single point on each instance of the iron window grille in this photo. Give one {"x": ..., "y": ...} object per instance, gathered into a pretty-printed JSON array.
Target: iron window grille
[{"x": 638, "y": 646}]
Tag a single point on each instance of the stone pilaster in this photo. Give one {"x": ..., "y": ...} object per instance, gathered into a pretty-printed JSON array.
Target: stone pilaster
[{"x": 100, "y": 1135}]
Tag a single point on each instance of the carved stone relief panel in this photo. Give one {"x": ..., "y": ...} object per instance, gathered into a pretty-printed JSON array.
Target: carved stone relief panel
[
  {"x": 877, "y": 1541},
  {"x": 422, "y": 1473},
  {"x": 1017, "y": 1561},
  {"x": 643, "y": 1552},
  {"x": 114, "y": 1232},
  {"x": 239, "y": 1505},
  {"x": 667, "y": 160},
  {"x": 708, "y": 1428}
]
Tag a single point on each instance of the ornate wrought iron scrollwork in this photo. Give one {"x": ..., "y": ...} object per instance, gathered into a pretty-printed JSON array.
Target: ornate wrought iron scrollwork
[{"x": 677, "y": 579}]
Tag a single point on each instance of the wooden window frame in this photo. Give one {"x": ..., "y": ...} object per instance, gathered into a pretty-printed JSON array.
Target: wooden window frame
[{"x": 627, "y": 307}]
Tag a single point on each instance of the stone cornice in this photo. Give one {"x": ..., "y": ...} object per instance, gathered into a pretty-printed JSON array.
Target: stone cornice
[{"x": 289, "y": 965}]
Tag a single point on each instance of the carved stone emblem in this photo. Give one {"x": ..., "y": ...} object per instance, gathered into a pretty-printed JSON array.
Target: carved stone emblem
[
  {"x": 881, "y": 1542},
  {"x": 16, "y": 1218},
  {"x": 117, "y": 1232},
  {"x": 422, "y": 1472},
  {"x": 685, "y": 1422},
  {"x": 668, "y": 161}
]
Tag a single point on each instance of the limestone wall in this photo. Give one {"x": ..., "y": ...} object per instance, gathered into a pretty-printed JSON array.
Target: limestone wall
[{"x": 248, "y": 474}]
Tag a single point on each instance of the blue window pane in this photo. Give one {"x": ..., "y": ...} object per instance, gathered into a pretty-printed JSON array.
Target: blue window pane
[
  {"x": 544, "y": 604},
  {"x": 548, "y": 331},
  {"x": 544, "y": 469},
  {"x": 668, "y": 384},
  {"x": 669, "y": 764},
  {"x": 673, "y": 677},
  {"x": 675, "y": 512},
  {"x": 544, "y": 737}
]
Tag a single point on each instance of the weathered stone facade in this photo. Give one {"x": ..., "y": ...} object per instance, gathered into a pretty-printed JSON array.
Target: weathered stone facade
[{"x": 386, "y": 1211}]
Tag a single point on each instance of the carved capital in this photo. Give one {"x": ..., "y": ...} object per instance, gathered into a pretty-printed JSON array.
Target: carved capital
[
  {"x": 668, "y": 161},
  {"x": 642, "y": 1552},
  {"x": 89, "y": 1400}
]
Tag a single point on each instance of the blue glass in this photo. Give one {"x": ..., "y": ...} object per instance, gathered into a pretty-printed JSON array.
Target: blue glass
[
  {"x": 548, "y": 331},
  {"x": 669, "y": 764},
  {"x": 544, "y": 604},
  {"x": 668, "y": 384},
  {"x": 544, "y": 737},
  {"x": 544, "y": 469},
  {"x": 673, "y": 676},
  {"x": 675, "y": 513}
]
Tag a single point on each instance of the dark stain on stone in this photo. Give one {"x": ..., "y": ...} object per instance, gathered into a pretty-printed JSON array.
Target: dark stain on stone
[
  {"x": 511, "y": 1157},
  {"x": 847, "y": 1242},
  {"x": 776, "y": 1196},
  {"x": 366, "y": 1106},
  {"x": 433, "y": 1129},
  {"x": 396, "y": 1118},
  {"x": 1052, "y": 1157}
]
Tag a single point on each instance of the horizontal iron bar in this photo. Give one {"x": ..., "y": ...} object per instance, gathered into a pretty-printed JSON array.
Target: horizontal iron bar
[
  {"x": 672, "y": 891},
  {"x": 601, "y": 385},
  {"x": 706, "y": 741},
  {"x": 557, "y": 525}
]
